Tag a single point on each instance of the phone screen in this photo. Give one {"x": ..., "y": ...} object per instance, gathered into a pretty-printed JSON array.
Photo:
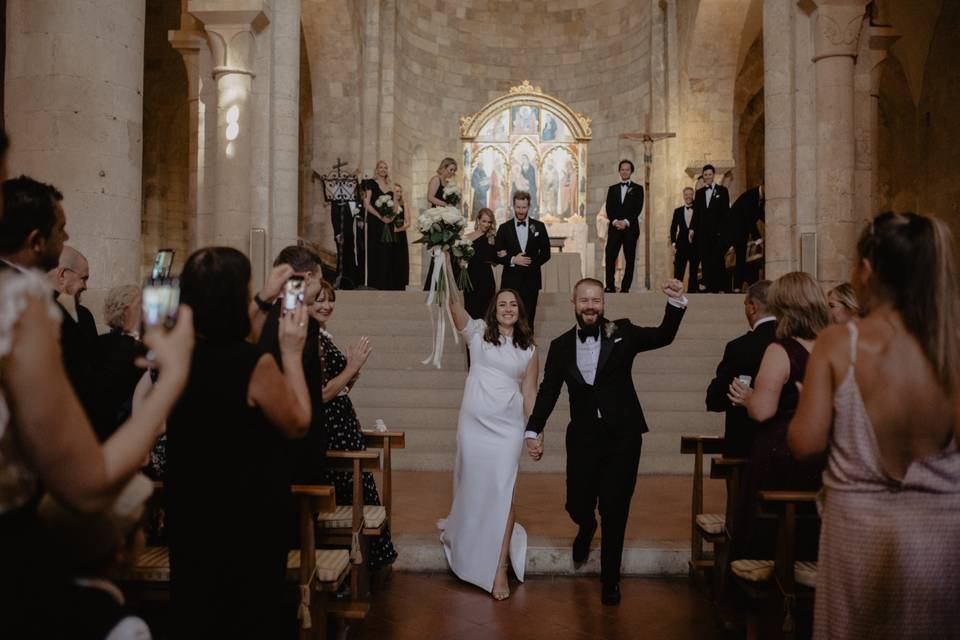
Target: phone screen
[
  {"x": 162, "y": 264},
  {"x": 161, "y": 298},
  {"x": 293, "y": 292}
]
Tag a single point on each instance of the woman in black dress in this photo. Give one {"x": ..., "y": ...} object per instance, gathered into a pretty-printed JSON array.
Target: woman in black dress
[
  {"x": 480, "y": 268},
  {"x": 228, "y": 487},
  {"x": 340, "y": 374},
  {"x": 802, "y": 312},
  {"x": 445, "y": 173},
  {"x": 388, "y": 262}
]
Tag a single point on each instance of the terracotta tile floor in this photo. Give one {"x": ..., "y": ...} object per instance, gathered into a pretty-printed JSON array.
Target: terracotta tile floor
[
  {"x": 440, "y": 607},
  {"x": 660, "y": 509}
]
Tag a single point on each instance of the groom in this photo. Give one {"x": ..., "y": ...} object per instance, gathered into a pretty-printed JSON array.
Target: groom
[{"x": 606, "y": 427}]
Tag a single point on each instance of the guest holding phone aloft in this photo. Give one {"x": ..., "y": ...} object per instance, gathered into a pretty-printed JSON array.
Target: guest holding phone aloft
[
  {"x": 388, "y": 262},
  {"x": 445, "y": 173}
]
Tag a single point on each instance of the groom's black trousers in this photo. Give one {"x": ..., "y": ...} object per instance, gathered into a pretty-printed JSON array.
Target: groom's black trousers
[{"x": 602, "y": 470}]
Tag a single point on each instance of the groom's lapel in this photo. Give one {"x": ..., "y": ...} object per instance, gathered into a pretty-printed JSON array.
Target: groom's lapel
[
  {"x": 606, "y": 348},
  {"x": 572, "y": 360}
]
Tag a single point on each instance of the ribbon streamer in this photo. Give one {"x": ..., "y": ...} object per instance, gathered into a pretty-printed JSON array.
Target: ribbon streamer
[{"x": 439, "y": 293}]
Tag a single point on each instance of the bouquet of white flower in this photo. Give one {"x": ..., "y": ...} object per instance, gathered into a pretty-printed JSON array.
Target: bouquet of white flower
[
  {"x": 451, "y": 194},
  {"x": 393, "y": 218},
  {"x": 439, "y": 228},
  {"x": 463, "y": 252}
]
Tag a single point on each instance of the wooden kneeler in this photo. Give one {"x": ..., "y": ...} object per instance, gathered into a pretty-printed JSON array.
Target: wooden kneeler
[
  {"x": 386, "y": 441},
  {"x": 351, "y": 526},
  {"x": 702, "y": 526}
]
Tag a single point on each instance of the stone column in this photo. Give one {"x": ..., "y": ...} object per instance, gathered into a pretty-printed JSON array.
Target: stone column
[
  {"x": 230, "y": 34},
  {"x": 189, "y": 41},
  {"x": 778, "y": 109},
  {"x": 74, "y": 112},
  {"x": 837, "y": 26}
]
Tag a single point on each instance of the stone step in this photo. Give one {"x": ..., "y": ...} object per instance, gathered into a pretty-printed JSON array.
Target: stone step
[
  {"x": 551, "y": 556},
  {"x": 632, "y": 300},
  {"x": 431, "y": 378},
  {"x": 692, "y": 401},
  {"x": 372, "y": 326},
  {"x": 455, "y": 360}
]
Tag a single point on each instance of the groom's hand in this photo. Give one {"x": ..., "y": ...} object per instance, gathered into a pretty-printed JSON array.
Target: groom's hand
[
  {"x": 535, "y": 446},
  {"x": 673, "y": 289}
]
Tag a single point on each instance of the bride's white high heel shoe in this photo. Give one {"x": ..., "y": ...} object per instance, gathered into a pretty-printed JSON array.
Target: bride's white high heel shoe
[{"x": 505, "y": 593}]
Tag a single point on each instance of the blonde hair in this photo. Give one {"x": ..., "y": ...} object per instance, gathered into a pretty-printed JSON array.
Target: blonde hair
[
  {"x": 800, "y": 306},
  {"x": 846, "y": 296},
  {"x": 914, "y": 269},
  {"x": 118, "y": 301},
  {"x": 446, "y": 162}
]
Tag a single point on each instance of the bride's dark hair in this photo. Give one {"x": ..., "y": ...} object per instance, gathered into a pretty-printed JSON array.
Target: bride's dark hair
[{"x": 522, "y": 333}]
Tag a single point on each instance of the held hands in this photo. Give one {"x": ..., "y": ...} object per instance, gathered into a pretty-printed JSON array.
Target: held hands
[
  {"x": 522, "y": 260},
  {"x": 673, "y": 288},
  {"x": 275, "y": 281},
  {"x": 739, "y": 393},
  {"x": 292, "y": 331},
  {"x": 502, "y": 253},
  {"x": 535, "y": 446},
  {"x": 357, "y": 354}
]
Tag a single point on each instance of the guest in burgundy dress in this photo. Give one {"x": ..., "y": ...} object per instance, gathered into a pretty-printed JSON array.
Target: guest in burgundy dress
[{"x": 802, "y": 312}]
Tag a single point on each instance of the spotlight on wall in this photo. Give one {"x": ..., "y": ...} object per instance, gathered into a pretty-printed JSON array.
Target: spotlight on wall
[{"x": 233, "y": 124}]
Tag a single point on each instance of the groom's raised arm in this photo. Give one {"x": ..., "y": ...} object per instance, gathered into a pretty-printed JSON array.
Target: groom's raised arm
[
  {"x": 548, "y": 393},
  {"x": 650, "y": 338}
]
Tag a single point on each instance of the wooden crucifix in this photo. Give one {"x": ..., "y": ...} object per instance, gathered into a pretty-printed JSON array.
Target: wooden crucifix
[{"x": 648, "y": 138}]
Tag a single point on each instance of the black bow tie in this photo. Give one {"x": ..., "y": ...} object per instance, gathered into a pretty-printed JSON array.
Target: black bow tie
[
  {"x": 588, "y": 332},
  {"x": 521, "y": 223},
  {"x": 624, "y": 184}
]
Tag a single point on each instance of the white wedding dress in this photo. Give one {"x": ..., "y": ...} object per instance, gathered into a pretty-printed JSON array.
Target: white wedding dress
[{"x": 489, "y": 444}]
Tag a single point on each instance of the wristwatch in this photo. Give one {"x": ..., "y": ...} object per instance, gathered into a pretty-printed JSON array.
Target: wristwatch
[{"x": 260, "y": 302}]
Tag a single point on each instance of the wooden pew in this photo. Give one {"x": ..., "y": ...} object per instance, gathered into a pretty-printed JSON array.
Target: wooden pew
[
  {"x": 784, "y": 585},
  {"x": 386, "y": 441},
  {"x": 702, "y": 526}
]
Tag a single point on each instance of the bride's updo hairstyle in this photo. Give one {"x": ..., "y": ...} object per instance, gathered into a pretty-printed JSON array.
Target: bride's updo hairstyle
[
  {"x": 913, "y": 269},
  {"x": 522, "y": 333}
]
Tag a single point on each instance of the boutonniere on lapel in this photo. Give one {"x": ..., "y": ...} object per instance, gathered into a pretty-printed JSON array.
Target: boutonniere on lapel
[{"x": 609, "y": 329}]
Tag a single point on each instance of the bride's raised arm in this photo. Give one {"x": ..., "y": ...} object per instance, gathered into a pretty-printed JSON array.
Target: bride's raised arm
[{"x": 457, "y": 310}]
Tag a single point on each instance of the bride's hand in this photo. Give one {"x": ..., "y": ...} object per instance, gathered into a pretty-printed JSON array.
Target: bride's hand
[{"x": 535, "y": 446}]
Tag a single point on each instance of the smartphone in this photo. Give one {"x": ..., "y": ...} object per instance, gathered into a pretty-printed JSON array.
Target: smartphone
[
  {"x": 746, "y": 380},
  {"x": 293, "y": 293},
  {"x": 162, "y": 264},
  {"x": 161, "y": 299}
]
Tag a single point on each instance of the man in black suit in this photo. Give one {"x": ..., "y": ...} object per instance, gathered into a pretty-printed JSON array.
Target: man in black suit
[
  {"x": 78, "y": 329},
  {"x": 711, "y": 205},
  {"x": 527, "y": 248},
  {"x": 742, "y": 357},
  {"x": 745, "y": 212},
  {"x": 308, "y": 452},
  {"x": 684, "y": 251},
  {"x": 594, "y": 359},
  {"x": 624, "y": 204}
]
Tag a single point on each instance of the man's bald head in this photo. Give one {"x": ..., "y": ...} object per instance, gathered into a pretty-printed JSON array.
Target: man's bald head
[{"x": 72, "y": 273}]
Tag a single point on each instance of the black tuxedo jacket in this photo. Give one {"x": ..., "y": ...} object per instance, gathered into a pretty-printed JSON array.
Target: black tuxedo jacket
[
  {"x": 710, "y": 218},
  {"x": 307, "y": 454},
  {"x": 679, "y": 230},
  {"x": 78, "y": 342},
  {"x": 612, "y": 391},
  {"x": 741, "y": 357},
  {"x": 538, "y": 250},
  {"x": 746, "y": 210},
  {"x": 629, "y": 209}
]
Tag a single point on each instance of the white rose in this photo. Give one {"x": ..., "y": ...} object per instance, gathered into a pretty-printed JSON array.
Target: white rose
[{"x": 451, "y": 216}]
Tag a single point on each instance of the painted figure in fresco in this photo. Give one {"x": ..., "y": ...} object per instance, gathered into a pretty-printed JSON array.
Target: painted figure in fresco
[
  {"x": 529, "y": 172},
  {"x": 524, "y": 120},
  {"x": 549, "y": 129},
  {"x": 481, "y": 187}
]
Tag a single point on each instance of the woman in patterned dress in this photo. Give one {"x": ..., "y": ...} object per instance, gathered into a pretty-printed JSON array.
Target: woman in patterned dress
[{"x": 340, "y": 374}]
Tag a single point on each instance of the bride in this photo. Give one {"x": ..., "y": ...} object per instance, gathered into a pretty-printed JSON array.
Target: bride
[{"x": 501, "y": 388}]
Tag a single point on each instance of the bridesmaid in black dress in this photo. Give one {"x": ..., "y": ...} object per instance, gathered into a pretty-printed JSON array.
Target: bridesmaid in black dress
[
  {"x": 340, "y": 374},
  {"x": 480, "y": 269},
  {"x": 385, "y": 259},
  {"x": 445, "y": 173},
  {"x": 227, "y": 482}
]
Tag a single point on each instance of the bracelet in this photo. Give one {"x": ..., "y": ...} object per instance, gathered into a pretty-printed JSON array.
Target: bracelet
[{"x": 260, "y": 302}]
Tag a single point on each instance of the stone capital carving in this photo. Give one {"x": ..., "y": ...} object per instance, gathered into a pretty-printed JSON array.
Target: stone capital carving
[
  {"x": 230, "y": 26},
  {"x": 837, "y": 27},
  {"x": 188, "y": 44}
]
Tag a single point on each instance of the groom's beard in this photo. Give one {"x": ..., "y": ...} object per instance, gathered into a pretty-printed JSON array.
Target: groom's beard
[{"x": 589, "y": 321}]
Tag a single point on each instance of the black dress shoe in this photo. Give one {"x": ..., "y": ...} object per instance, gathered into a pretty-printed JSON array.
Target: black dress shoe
[
  {"x": 609, "y": 290},
  {"x": 624, "y": 290},
  {"x": 581, "y": 544},
  {"x": 610, "y": 595}
]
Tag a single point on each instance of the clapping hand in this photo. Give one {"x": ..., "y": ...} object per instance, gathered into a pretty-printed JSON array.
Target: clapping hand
[
  {"x": 535, "y": 446},
  {"x": 357, "y": 354},
  {"x": 673, "y": 288},
  {"x": 739, "y": 393}
]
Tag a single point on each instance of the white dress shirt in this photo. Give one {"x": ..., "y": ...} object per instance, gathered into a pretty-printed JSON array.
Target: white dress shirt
[
  {"x": 523, "y": 232},
  {"x": 761, "y": 321},
  {"x": 624, "y": 187},
  {"x": 688, "y": 214},
  {"x": 708, "y": 194}
]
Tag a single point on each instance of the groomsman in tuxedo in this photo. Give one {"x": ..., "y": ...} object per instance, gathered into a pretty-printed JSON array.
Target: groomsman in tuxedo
[
  {"x": 594, "y": 359},
  {"x": 527, "y": 248},
  {"x": 711, "y": 205},
  {"x": 745, "y": 212},
  {"x": 684, "y": 251},
  {"x": 624, "y": 204},
  {"x": 742, "y": 357}
]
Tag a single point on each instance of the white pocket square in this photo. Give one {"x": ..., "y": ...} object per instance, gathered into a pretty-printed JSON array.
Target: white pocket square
[{"x": 617, "y": 340}]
